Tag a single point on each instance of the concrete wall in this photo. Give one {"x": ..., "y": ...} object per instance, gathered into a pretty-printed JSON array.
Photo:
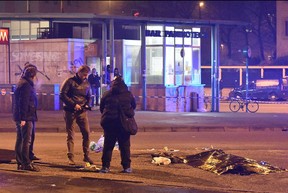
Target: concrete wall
[
  {"x": 171, "y": 99},
  {"x": 53, "y": 57}
]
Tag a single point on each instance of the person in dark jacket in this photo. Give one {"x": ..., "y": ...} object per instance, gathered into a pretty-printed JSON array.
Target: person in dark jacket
[
  {"x": 25, "y": 116},
  {"x": 75, "y": 94},
  {"x": 32, "y": 155},
  {"x": 94, "y": 80},
  {"x": 117, "y": 97}
]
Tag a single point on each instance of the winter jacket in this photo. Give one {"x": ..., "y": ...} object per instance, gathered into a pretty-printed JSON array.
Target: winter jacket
[
  {"x": 25, "y": 101},
  {"x": 74, "y": 91},
  {"x": 117, "y": 96}
]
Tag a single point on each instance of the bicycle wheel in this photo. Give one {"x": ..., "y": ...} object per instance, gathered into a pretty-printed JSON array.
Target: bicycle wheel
[
  {"x": 234, "y": 106},
  {"x": 252, "y": 106},
  {"x": 207, "y": 104}
]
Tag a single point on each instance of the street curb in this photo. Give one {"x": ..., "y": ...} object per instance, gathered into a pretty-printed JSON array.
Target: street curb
[{"x": 165, "y": 129}]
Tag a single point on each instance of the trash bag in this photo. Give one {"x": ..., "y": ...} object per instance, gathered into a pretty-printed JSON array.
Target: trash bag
[
  {"x": 217, "y": 161},
  {"x": 98, "y": 147}
]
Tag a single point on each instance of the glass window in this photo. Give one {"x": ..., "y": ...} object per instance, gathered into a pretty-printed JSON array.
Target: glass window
[
  {"x": 34, "y": 27},
  {"x": 44, "y": 24},
  {"x": 187, "y": 40},
  {"x": 169, "y": 40},
  {"x": 15, "y": 30},
  {"x": 196, "y": 78},
  {"x": 25, "y": 30},
  {"x": 131, "y": 64},
  {"x": 6, "y": 24},
  {"x": 196, "y": 41},
  {"x": 178, "y": 40},
  {"x": 178, "y": 66},
  {"x": 188, "y": 66},
  {"x": 154, "y": 65},
  {"x": 155, "y": 40},
  {"x": 169, "y": 70}
]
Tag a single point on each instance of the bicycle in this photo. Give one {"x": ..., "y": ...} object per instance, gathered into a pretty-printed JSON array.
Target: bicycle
[
  {"x": 237, "y": 104},
  {"x": 207, "y": 103}
]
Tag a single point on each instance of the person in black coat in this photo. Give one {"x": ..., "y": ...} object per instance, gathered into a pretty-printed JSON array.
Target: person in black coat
[
  {"x": 94, "y": 81},
  {"x": 25, "y": 116},
  {"x": 75, "y": 94},
  {"x": 117, "y": 97},
  {"x": 33, "y": 134}
]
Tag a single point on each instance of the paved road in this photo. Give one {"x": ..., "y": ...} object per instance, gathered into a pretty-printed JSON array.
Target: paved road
[
  {"x": 56, "y": 176},
  {"x": 258, "y": 136}
]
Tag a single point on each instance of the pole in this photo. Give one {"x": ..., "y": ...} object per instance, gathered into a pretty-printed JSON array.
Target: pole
[
  {"x": 9, "y": 62},
  {"x": 143, "y": 65},
  {"x": 215, "y": 61},
  {"x": 111, "y": 40},
  {"x": 247, "y": 81},
  {"x": 247, "y": 54},
  {"x": 28, "y": 6}
]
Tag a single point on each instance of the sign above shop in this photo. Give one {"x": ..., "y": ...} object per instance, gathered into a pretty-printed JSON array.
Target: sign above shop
[
  {"x": 4, "y": 36},
  {"x": 185, "y": 34}
]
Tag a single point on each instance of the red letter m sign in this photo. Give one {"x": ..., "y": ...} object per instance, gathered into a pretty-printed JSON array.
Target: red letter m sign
[{"x": 4, "y": 36}]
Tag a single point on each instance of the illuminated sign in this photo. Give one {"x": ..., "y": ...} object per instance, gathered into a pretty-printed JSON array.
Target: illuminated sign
[
  {"x": 4, "y": 36},
  {"x": 185, "y": 34}
]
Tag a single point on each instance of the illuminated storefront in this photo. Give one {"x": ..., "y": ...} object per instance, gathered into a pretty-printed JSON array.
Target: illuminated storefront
[{"x": 159, "y": 59}]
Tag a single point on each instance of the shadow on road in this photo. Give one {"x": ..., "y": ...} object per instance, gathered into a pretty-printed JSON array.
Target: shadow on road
[{"x": 6, "y": 155}]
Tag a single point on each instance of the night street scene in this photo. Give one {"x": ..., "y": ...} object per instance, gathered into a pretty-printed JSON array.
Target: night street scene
[{"x": 143, "y": 96}]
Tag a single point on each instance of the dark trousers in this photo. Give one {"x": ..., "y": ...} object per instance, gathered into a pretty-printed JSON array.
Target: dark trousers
[
  {"x": 95, "y": 95},
  {"x": 81, "y": 119},
  {"x": 23, "y": 142},
  {"x": 31, "y": 148},
  {"x": 110, "y": 139}
]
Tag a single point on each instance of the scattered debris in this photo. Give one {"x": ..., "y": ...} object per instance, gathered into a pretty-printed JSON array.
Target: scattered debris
[
  {"x": 171, "y": 150},
  {"x": 170, "y": 156},
  {"x": 161, "y": 161},
  {"x": 89, "y": 167},
  {"x": 208, "y": 148}
]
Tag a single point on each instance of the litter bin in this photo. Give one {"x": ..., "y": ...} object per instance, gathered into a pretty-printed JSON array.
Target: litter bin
[{"x": 194, "y": 102}]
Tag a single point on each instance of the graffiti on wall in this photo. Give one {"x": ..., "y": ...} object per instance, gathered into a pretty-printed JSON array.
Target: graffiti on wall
[
  {"x": 21, "y": 71},
  {"x": 72, "y": 67},
  {"x": 75, "y": 65}
]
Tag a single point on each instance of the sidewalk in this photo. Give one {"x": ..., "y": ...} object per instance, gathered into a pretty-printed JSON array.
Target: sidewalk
[{"x": 148, "y": 121}]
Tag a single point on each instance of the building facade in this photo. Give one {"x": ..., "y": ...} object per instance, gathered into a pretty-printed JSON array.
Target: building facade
[
  {"x": 282, "y": 28},
  {"x": 158, "y": 58}
]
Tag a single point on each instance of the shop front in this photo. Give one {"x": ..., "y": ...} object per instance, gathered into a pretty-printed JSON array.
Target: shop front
[{"x": 159, "y": 59}]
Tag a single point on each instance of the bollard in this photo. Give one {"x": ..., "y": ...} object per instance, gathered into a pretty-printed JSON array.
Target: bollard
[{"x": 194, "y": 102}]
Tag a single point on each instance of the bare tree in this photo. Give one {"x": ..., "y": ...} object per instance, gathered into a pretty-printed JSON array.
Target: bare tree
[
  {"x": 260, "y": 35},
  {"x": 261, "y": 15}
]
